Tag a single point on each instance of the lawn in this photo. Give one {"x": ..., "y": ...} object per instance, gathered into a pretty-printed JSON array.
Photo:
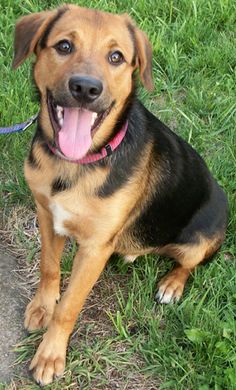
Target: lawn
[{"x": 123, "y": 339}]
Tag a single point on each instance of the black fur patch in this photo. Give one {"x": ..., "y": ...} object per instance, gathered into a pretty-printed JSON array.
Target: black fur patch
[
  {"x": 41, "y": 139},
  {"x": 60, "y": 185},
  {"x": 187, "y": 201},
  {"x": 43, "y": 40},
  {"x": 48, "y": 151},
  {"x": 36, "y": 95},
  {"x": 133, "y": 38},
  {"x": 125, "y": 158}
]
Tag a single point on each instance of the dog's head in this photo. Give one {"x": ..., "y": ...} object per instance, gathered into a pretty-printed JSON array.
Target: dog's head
[{"x": 85, "y": 62}]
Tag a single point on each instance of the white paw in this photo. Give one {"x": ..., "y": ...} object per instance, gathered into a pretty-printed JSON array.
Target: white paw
[
  {"x": 170, "y": 290},
  {"x": 129, "y": 258},
  {"x": 167, "y": 296}
]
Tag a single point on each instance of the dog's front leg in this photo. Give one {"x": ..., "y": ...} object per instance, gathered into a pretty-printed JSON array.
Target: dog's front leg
[
  {"x": 40, "y": 310},
  {"x": 49, "y": 360}
]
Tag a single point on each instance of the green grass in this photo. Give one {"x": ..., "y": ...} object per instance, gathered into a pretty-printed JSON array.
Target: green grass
[{"x": 123, "y": 337}]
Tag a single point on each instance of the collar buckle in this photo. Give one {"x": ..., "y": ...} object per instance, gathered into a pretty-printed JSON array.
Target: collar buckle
[{"x": 108, "y": 150}]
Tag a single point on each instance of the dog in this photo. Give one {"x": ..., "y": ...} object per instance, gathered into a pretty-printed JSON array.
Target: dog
[{"x": 104, "y": 170}]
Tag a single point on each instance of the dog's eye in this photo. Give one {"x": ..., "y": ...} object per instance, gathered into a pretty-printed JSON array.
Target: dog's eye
[
  {"x": 116, "y": 58},
  {"x": 64, "y": 47}
]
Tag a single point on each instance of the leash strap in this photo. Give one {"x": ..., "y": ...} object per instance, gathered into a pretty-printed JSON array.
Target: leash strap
[{"x": 19, "y": 127}]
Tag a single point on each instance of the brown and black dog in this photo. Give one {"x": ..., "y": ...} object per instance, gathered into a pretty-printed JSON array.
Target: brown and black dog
[{"x": 151, "y": 194}]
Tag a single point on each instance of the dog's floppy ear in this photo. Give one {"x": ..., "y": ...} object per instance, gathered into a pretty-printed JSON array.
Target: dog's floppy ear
[
  {"x": 144, "y": 53},
  {"x": 28, "y": 31}
]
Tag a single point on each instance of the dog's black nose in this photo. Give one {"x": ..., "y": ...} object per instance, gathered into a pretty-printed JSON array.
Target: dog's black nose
[{"x": 85, "y": 88}]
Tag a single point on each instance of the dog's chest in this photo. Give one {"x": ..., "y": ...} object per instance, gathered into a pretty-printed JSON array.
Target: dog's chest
[
  {"x": 78, "y": 212},
  {"x": 74, "y": 215},
  {"x": 60, "y": 217}
]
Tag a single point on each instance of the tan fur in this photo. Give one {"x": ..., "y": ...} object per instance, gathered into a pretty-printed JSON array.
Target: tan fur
[
  {"x": 93, "y": 43},
  {"x": 188, "y": 256},
  {"x": 192, "y": 254},
  {"x": 100, "y": 225},
  {"x": 28, "y": 32},
  {"x": 40, "y": 310}
]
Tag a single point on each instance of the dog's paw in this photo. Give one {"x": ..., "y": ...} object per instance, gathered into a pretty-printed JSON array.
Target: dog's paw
[
  {"x": 39, "y": 312},
  {"x": 170, "y": 289},
  {"x": 130, "y": 258},
  {"x": 49, "y": 360}
]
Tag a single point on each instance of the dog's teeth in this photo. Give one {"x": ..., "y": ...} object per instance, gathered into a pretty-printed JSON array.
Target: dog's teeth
[
  {"x": 94, "y": 116},
  {"x": 60, "y": 114},
  {"x": 60, "y": 111}
]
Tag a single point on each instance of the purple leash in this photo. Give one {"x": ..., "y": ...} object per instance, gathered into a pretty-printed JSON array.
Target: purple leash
[{"x": 19, "y": 127}]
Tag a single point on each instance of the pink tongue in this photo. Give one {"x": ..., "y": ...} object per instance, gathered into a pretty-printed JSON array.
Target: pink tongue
[{"x": 75, "y": 135}]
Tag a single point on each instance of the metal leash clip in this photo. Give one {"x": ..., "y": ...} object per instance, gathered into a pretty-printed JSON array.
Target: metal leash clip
[
  {"x": 30, "y": 122},
  {"x": 18, "y": 127}
]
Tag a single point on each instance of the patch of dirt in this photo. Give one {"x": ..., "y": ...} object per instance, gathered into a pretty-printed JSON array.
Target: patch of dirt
[{"x": 11, "y": 319}]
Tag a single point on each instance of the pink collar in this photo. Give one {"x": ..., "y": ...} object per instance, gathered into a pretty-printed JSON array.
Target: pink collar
[{"x": 106, "y": 151}]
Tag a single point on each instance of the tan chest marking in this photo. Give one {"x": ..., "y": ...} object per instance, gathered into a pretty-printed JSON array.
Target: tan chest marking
[{"x": 60, "y": 216}]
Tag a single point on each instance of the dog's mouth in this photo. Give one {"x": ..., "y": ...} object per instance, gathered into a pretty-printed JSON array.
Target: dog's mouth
[{"x": 74, "y": 128}]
